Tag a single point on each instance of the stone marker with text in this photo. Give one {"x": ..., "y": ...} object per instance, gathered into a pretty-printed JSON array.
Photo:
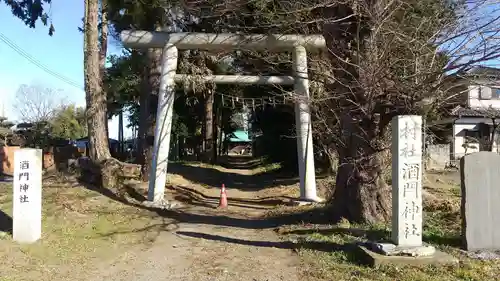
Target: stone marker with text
[
  {"x": 407, "y": 180},
  {"x": 407, "y": 247},
  {"x": 27, "y": 205},
  {"x": 480, "y": 208}
]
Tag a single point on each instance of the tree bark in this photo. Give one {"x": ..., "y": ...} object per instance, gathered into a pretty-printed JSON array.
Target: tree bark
[
  {"x": 106, "y": 126},
  {"x": 221, "y": 130},
  {"x": 329, "y": 159},
  {"x": 361, "y": 193},
  {"x": 95, "y": 96},
  {"x": 144, "y": 106},
  {"x": 209, "y": 130},
  {"x": 490, "y": 135},
  {"x": 120, "y": 133},
  {"x": 147, "y": 113},
  {"x": 215, "y": 131},
  {"x": 103, "y": 49},
  {"x": 107, "y": 171},
  {"x": 103, "y": 40}
]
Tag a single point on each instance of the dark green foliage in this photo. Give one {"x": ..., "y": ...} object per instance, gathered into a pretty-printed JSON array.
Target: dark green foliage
[
  {"x": 188, "y": 116},
  {"x": 68, "y": 122},
  {"x": 130, "y": 14},
  {"x": 37, "y": 135},
  {"x": 5, "y": 123},
  {"x": 278, "y": 141},
  {"x": 122, "y": 82},
  {"x": 5, "y": 128},
  {"x": 30, "y": 11}
]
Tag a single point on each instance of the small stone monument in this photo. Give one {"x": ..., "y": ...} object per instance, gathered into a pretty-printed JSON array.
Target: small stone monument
[
  {"x": 407, "y": 181},
  {"x": 406, "y": 246},
  {"x": 27, "y": 205},
  {"x": 480, "y": 179}
]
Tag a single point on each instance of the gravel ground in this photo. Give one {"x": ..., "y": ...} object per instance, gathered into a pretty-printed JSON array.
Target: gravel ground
[
  {"x": 208, "y": 250},
  {"x": 197, "y": 242},
  {"x": 193, "y": 253}
]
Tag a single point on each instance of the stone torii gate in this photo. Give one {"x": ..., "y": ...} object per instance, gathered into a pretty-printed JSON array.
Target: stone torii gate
[{"x": 172, "y": 42}]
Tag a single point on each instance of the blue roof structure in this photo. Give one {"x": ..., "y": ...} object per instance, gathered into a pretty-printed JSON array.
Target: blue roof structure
[{"x": 239, "y": 136}]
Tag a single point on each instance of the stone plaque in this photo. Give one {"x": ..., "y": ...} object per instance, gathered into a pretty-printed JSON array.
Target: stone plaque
[
  {"x": 27, "y": 205},
  {"x": 480, "y": 186},
  {"x": 407, "y": 180}
]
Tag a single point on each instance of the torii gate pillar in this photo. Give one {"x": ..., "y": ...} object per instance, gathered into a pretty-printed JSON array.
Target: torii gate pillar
[
  {"x": 161, "y": 146},
  {"x": 303, "y": 126},
  {"x": 171, "y": 42}
]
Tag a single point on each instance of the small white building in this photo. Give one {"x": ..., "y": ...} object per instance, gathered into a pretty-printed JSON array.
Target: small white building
[{"x": 475, "y": 123}]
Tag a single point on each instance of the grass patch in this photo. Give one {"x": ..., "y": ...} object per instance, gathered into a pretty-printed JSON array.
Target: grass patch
[
  {"x": 342, "y": 264},
  {"x": 255, "y": 166},
  {"x": 267, "y": 168},
  {"x": 441, "y": 229},
  {"x": 78, "y": 227}
]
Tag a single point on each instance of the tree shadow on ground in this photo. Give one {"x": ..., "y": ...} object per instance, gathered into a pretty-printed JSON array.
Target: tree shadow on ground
[
  {"x": 369, "y": 234},
  {"x": 315, "y": 216},
  {"x": 379, "y": 235},
  {"x": 5, "y": 178},
  {"x": 215, "y": 178},
  {"x": 349, "y": 249},
  {"x": 194, "y": 197},
  {"x": 5, "y": 222},
  {"x": 239, "y": 162},
  {"x": 452, "y": 240}
]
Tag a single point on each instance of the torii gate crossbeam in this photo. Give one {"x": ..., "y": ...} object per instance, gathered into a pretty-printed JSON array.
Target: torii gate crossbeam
[{"x": 172, "y": 42}]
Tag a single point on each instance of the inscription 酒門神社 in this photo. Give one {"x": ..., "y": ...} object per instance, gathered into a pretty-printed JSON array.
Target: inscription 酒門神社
[
  {"x": 27, "y": 195},
  {"x": 407, "y": 170}
]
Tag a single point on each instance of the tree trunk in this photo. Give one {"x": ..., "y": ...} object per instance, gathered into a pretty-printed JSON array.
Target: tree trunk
[
  {"x": 120, "y": 133},
  {"x": 328, "y": 161},
  {"x": 209, "y": 130},
  {"x": 103, "y": 40},
  {"x": 147, "y": 112},
  {"x": 487, "y": 134},
  {"x": 221, "y": 129},
  {"x": 494, "y": 129},
  {"x": 361, "y": 193},
  {"x": 106, "y": 127},
  {"x": 144, "y": 106},
  {"x": 95, "y": 96},
  {"x": 103, "y": 50},
  {"x": 215, "y": 132}
]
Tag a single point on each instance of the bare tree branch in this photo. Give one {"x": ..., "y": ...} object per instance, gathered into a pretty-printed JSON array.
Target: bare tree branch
[{"x": 36, "y": 103}]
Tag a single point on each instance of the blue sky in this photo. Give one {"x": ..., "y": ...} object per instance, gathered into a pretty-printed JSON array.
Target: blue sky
[{"x": 62, "y": 53}]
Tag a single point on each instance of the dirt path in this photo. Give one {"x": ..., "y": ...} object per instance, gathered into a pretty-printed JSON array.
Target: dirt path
[
  {"x": 227, "y": 245},
  {"x": 194, "y": 252}
]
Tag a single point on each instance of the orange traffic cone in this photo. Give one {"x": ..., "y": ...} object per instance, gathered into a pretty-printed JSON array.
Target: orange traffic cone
[{"x": 223, "y": 197}]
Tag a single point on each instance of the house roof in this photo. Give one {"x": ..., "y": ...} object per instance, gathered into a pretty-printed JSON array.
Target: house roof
[
  {"x": 485, "y": 71},
  {"x": 239, "y": 136},
  {"x": 475, "y": 112}
]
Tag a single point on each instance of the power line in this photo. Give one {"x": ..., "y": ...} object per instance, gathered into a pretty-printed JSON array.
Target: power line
[
  {"x": 34, "y": 61},
  {"x": 252, "y": 102}
]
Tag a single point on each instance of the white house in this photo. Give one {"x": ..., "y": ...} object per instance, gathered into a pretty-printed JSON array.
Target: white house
[{"x": 475, "y": 122}]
